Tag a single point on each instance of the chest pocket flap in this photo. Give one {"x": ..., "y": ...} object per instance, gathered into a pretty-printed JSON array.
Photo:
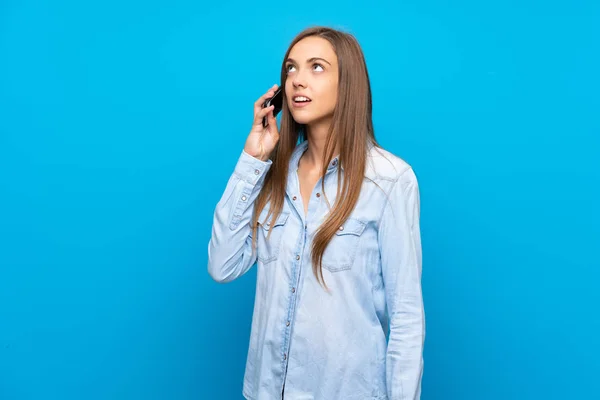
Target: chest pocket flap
[
  {"x": 341, "y": 251},
  {"x": 351, "y": 227},
  {"x": 268, "y": 224}
]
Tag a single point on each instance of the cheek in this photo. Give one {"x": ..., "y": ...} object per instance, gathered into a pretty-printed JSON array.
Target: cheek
[
  {"x": 289, "y": 90},
  {"x": 332, "y": 94}
]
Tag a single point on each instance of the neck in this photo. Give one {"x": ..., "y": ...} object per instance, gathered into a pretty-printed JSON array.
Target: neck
[{"x": 317, "y": 137}]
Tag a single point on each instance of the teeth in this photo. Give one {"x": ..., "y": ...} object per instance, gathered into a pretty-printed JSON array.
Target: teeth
[{"x": 301, "y": 98}]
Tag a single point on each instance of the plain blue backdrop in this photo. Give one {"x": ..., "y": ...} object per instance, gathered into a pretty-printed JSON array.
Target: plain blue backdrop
[{"x": 121, "y": 121}]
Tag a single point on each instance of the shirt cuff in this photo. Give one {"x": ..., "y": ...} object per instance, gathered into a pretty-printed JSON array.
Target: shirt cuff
[{"x": 251, "y": 169}]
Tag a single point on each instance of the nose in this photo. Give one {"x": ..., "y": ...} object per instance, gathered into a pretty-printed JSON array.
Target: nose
[{"x": 298, "y": 80}]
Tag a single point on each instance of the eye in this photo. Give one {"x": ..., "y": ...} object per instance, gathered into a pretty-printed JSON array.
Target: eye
[
  {"x": 318, "y": 65},
  {"x": 288, "y": 67}
]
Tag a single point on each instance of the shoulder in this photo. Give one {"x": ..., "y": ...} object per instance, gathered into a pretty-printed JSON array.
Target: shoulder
[{"x": 383, "y": 165}]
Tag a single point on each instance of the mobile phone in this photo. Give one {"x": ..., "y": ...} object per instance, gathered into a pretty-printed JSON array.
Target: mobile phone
[{"x": 277, "y": 101}]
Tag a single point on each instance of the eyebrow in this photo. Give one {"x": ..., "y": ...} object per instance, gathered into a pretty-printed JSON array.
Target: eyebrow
[{"x": 309, "y": 60}]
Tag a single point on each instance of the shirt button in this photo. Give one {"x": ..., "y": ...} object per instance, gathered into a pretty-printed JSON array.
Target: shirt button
[
  {"x": 256, "y": 172},
  {"x": 341, "y": 228},
  {"x": 294, "y": 198},
  {"x": 293, "y": 290},
  {"x": 334, "y": 163},
  {"x": 287, "y": 323},
  {"x": 318, "y": 194},
  {"x": 297, "y": 257},
  {"x": 243, "y": 198},
  {"x": 284, "y": 356}
]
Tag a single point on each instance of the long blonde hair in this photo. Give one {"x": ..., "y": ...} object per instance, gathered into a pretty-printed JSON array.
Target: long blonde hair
[{"x": 351, "y": 128}]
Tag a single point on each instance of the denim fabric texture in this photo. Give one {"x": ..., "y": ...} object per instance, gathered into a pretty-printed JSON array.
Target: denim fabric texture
[{"x": 364, "y": 339}]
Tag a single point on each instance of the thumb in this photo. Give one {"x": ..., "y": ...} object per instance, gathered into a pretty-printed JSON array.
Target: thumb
[{"x": 272, "y": 121}]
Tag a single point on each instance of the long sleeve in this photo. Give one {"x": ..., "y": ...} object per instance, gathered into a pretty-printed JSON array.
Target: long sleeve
[
  {"x": 230, "y": 252},
  {"x": 401, "y": 256}
]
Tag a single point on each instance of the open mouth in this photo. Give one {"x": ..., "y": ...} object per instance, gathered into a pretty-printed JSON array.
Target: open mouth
[{"x": 300, "y": 101}]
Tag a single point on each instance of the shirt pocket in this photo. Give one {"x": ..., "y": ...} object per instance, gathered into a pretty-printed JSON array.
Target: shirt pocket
[
  {"x": 270, "y": 236},
  {"x": 341, "y": 251}
]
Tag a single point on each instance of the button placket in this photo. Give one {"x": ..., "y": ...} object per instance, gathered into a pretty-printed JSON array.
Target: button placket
[{"x": 296, "y": 268}]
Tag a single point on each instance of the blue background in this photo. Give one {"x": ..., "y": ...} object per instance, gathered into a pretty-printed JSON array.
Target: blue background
[{"x": 120, "y": 123}]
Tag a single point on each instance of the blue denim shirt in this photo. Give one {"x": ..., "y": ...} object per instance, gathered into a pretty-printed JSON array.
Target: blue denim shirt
[{"x": 364, "y": 339}]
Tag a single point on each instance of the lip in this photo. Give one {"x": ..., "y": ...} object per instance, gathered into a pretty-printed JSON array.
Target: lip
[{"x": 299, "y": 104}]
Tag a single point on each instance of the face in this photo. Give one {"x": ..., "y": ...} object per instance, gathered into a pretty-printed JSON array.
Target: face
[{"x": 311, "y": 83}]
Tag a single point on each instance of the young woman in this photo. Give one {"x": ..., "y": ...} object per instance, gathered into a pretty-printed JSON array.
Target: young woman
[{"x": 332, "y": 221}]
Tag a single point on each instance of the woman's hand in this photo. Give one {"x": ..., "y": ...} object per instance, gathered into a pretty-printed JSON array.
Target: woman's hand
[{"x": 262, "y": 140}]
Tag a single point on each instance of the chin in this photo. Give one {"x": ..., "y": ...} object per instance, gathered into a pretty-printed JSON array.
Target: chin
[
  {"x": 302, "y": 119},
  {"x": 308, "y": 119}
]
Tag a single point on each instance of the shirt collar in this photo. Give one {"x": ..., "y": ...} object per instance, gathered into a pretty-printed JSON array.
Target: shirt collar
[{"x": 299, "y": 151}]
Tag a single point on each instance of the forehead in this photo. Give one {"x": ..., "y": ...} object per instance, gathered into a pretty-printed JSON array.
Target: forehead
[{"x": 312, "y": 46}]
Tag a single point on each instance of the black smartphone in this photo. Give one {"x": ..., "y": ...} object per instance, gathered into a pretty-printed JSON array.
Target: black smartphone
[{"x": 277, "y": 101}]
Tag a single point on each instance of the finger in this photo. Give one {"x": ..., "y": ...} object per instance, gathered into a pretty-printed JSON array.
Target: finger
[
  {"x": 269, "y": 120},
  {"x": 262, "y": 113},
  {"x": 272, "y": 123},
  {"x": 270, "y": 116},
  {"x": 259, "y": 103}
]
